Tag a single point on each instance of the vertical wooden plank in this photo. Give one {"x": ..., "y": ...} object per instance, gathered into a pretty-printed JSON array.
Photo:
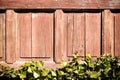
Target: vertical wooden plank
[
  {"x": 24, "y": 26},
  {"x": 48, "y": 25},
  {"x": 10, "y": 36},
  {"x": 42, "y": 34},
  {"x": 93, "y": 32},
  {"x": 117, "y": 34},
  {"x": 70, "y": 30},
  {"x": 60, "y": 36},
  {"x": 108, "y": 32},
  {"x": 75, "y": 41},
  {"x": 2, "y": 34},
  {"x": 79, "y": 28}
]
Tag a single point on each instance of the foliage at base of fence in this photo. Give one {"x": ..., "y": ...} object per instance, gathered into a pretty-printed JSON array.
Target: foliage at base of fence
[{"x": 103, "y": 68}]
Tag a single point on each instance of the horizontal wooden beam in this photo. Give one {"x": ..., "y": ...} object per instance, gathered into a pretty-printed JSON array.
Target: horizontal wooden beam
[{"x": 59, "y": 4}]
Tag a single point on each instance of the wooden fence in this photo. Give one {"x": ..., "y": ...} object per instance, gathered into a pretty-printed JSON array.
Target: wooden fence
[{"x": 53, "y": 30}]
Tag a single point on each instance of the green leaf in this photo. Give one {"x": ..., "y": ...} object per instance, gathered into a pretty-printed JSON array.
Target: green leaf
[
  {"x": 40, "y": 64},
  {"x": 88, "y": 56},
  {"x": 60, "y": 72},
  {"x": 22, "y": 75},
  {"x": 44, "y": 72},
  {"x": 35, "y": 74},
  {"x": 95, "y": 74},
  {"x": 53, "y": 73},
  {"x": 63, "y": 63},
  {"x": 76, "y": 55},
  {"x": 29, "y": 70},
  {"x": 107, "y": 70}
]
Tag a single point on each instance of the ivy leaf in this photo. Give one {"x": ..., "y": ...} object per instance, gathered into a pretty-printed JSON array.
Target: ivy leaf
[
  {"x": 29, "y": 70},
  {"x": 44, "y": 72},
  {"x": 40, "y": 64},
  {"x": 88, "y": 56},
  {"x": 63, "y": 63},
  {"x": 22, "y": 75},
  {"x": 95, "y": 74},
  {"x": 53, "y": 73},
  {"x": 60, "y": 72},
  {"x": 35, "y": 74}
]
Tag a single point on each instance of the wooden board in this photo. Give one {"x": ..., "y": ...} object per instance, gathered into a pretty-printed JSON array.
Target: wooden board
[
  {"x": 24, "y": 33},
  {"x": 63, "y": 4},
  {"x": 70, "y": 33},
  {"x": 79, "y": 31},
  {"x": 93, "y": 33},
  {"x": 60, "y": 36},
  {"x": 42, "y": 35},
  {"x": 108, "y": 33},
  {"x": 2, "y": 35},
  {"x": 75, "y": 37},
  {"x": 10, "y": 36},
  {"x": 117, "y": 34}
]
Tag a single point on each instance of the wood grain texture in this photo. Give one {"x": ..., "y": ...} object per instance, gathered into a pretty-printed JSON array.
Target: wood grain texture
[
  {"x": 93, "y": 32},
  {"x": 42, "y": 35},
  {"x": 70, "y": 33},
  {"x": 79, "y": 31},
  {"x": 24, "y": 32},
  {"x": 75, "y": 35},
  {"x": 13, "y": 3},
  {"x": 117, "y": 34},
  {"x": 2, "y": 35},
  {"x": 10, "y": 36},
  {"x": 63, "y": 4},
  {"x": 60, "y": 36},
  {"x": 108, "y": 32}
]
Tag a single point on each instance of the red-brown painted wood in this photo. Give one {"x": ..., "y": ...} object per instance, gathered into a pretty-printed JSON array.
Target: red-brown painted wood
[
  {"x": 70, "y": 33},
  {"x": 60, "y": 36},
  {"x": 79, "y": 30},
  {"x": 93, "y": 32},
  {"x": 63, "y": 4},
  {"x": 2, "y": 35},
  {"x": 76, "y": 26},
  {"x": 10, "y": 36},
  {"x": 13, "y": 4},
  {"x": 24, "y": 31},
  {"x": 117, "y": 34},
  {"x": 108, "y": 32},
  {"x": 42, "y": 34}
]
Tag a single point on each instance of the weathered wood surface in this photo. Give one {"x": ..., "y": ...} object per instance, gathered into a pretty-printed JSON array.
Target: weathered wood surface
[
  {"x": 93, "y": 33},
  {"x": 108, "y": 32},
  {"x": 53, "y": 36},
  {"x": 2, "y": 35},
  {"x": 42, "y": 35},
  {"x": 11, "y": 48},
  {"x": 75, "y": 33},
  {"x": 24, "y": 33},
  {"x": 117, "y": 34},
  {"x": 60, "y": 36},
  {"x": 63, "y": 4}
]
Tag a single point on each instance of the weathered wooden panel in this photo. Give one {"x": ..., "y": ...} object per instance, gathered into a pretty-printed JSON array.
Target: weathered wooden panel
[
  {"x": 42, "y": 34},
  {"x": 13, "y": 3},
  {"x": 79, "y": 31},
  {"x": 76, "y": 28},
  {"x": 39, "y": 35},
  {"x": 93, "y": 32},
  {"x": 24, "y": 33},
  {"x": 108, "y": 32},
  {"x": 2, "y": 35},
  {"x": 117, "y": 34},
  {"x": 70, "y": 33},
  {"x": 10, "y": 36},
  {"x": 60, "y": 36},
  {"x": 63, "y": 4}
]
